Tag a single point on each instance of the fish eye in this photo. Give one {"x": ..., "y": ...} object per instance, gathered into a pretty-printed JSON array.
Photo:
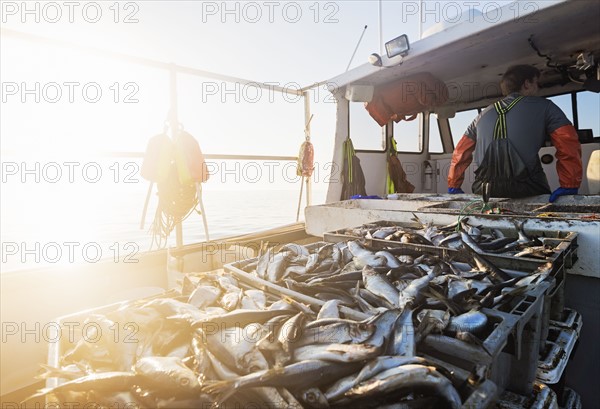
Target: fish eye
[{"x": 184, "y": 381}]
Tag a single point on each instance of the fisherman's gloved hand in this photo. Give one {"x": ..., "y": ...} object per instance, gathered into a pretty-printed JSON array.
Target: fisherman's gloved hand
[
  {"x": 562, "y": 191},
  {"x": 454, "y": 190}
]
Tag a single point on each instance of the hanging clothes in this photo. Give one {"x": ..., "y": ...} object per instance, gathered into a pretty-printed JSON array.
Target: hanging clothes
[
  {"x": 396, "y": 180},
  {"x": 353, "y": 178}
]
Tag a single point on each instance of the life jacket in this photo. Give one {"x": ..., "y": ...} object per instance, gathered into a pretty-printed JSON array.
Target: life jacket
[
  {"x": 502, "y": 172},
  {"x": 184, "y": 152},
  {"x": 306, "y": 159}
]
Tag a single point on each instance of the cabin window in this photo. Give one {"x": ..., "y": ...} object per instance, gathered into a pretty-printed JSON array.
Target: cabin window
[
  {"x": 435, "y": 139},
  {"x": 588, "y": 107},
  {"x": 460, "y": 123},
  {"x": 366, "y": 134},
  {"x": 408, "y": 136},
  {"x": 564, "y": 103}
]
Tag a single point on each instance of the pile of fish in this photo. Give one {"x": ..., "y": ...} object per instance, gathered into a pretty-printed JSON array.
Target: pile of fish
[
  {"x": 219, "y": 342},
  {"x": 492, "y": 241}
]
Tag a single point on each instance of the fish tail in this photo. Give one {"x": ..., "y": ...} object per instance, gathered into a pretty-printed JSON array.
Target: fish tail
[
  {"x": 38, "y": 394},
  {"x": 220, "y": 390}
]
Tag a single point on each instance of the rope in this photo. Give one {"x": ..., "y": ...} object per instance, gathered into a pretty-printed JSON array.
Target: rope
[
  {"x": 471, "y": 207},
  {"x": 176, "y": 202}
]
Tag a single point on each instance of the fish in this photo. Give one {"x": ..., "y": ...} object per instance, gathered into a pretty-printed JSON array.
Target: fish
[
  {"x": 338, "y": 332},
  {"x": 291, "y": 331},
  {"x": 277, "y": 266},
  {"x": 498, "y": 243},
  {"x": 410, "y": 295},
  {"x": 414, "y": 238},
  {"x": 167, "y": 375},
  {"x": 408, "y": 378},
  {"x": 253, "y": 300},
  {"x": 472, "y": 321},
  {"x": 522, "y": 236},
  {"x": 314, "y": 398},
  {"x": 495, "y": 274},
  {"x": 392, "y": 262},
  {"x": 336, "y": 352},
  {"x": 379, "y": 285},
  {"x": 375, "y": 366},
  {"x": 384, "y": 232},
  {"x": 364, "y": 257},
  {"x": 303, "y": 374},
  {"x": 331, "y": 309},
  {"x": 404, "y": 336},
  {"x": 98, "y": 381},
  {"x": 384, "y": 325},
  {"x": 239, "y": 318},
  {"x": 263, "y": 262}
]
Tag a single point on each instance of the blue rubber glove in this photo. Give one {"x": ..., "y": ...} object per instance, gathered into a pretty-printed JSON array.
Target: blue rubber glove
[
  {"x": 454, "y": 190},
  {"x": 562, "y": 191},
  {"x": 365, "y": 197}
]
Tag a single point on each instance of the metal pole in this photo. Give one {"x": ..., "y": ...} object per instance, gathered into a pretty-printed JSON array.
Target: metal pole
[
  {"x": 380, "y": 28},
  {"x": 201, "y": 203},
  {"x": 307, "y": 119},
  {"x": 174, "y": 125}
]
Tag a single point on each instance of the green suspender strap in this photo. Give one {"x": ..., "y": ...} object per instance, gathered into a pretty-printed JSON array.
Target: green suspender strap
[
  {"x": 349, "y": 153},
  {"x": 392, "y": 150},
  {"x": 500, "y": 128}
]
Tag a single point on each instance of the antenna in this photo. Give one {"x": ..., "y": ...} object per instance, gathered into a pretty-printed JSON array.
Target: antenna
[{"x": 357, "y": 44}]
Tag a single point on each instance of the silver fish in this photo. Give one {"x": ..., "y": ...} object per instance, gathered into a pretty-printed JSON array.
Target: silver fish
[
  {"x": 392, "y": 262},
  {"x": 203, "y": 296},
  {"x": 410, "y": 295},
  {"x": 329, "y": 310},
  {"x": 472, "y": 321},
  {"x": 335, "y": 352},
  {"x": 408, "y": 377},
  {"x": 101, "y": 381},
  {"x": 379, "y": 285},
  {"x": 377, "y": 365},
  {"x": 404, "y": 336},
  {"x": 314, "y": 398},
  {"x": 169, "y": 375},
  {"x": 364, "y": 257},
  {"x": 302, "y": 374}
]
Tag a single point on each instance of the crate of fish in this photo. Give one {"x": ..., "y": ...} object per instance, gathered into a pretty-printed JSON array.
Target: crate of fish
[
  {"x": 514, "y": 249},
  {"x": 518, "y": 242},
  {"x": 450, "y": 305},
  {"x": 218, "y": 341}
]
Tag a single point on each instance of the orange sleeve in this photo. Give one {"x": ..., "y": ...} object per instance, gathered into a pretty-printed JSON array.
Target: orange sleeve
[
  {"x": 461, "y": 159},
  {"x": 568, "y": 156}
]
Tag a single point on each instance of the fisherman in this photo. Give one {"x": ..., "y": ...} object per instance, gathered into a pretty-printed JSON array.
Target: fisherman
[{"x": 506, "y": 138}]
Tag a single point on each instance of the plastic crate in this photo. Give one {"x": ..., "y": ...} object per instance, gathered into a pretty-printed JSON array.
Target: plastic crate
[
  {"x": 509, "y": 353},
  {"x": 563, "y": 242},
  {"x": 542, "y": 397},
  {"x": 557, "y": 351}
]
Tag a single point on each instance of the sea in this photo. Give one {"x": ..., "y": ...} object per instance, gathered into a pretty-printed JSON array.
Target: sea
[{"x": 49, "y": 221}]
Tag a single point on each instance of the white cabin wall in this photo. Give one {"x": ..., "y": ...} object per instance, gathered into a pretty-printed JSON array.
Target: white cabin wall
[
  {"x": 586, "y": 153},
  {"x": 334, "y": 190}
]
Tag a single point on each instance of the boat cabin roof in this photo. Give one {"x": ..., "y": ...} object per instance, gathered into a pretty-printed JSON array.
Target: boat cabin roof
[{"x": 470, "y": 56}]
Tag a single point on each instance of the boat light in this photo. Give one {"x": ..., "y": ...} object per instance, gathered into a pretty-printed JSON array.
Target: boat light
[
  {"x": 375, "y": 59},
  {"x": 397, "y": 46}
]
